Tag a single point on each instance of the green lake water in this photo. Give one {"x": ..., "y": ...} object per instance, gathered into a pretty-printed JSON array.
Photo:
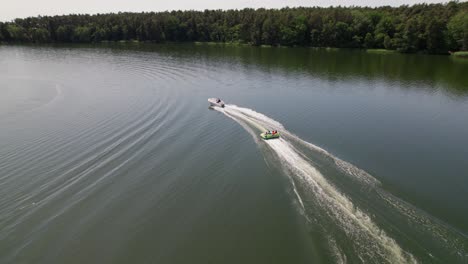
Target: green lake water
[{"x": 110, "y": 154}]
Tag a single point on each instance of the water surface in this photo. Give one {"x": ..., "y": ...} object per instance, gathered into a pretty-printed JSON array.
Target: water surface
[{"x": 109, "y": 154}]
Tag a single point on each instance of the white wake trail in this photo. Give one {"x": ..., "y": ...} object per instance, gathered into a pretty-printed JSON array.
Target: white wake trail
[
  {"x": 265, "y": 122},
  {"x": 370, "y": 242},
  {"x": 355, "y": 223}
]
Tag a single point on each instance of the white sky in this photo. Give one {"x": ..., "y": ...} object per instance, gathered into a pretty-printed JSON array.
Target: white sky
[{"x": 11, "y": 9}]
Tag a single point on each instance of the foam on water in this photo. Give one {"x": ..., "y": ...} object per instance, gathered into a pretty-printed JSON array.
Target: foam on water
[
  {"x": 355, "y": 223},
  {"x": 352, "y": 219},
  {"x": 317, "y": 197},
  {"x": 264, "y": 122}
]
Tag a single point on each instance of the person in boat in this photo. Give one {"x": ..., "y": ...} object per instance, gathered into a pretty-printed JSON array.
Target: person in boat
[{"x": 218, "y": 100}]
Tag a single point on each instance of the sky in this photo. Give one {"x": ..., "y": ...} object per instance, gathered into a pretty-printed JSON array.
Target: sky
[{"x": 25, "y": 8}]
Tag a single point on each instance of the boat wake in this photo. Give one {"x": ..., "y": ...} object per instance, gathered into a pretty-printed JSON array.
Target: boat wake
[{"x": 348, "y": 206}]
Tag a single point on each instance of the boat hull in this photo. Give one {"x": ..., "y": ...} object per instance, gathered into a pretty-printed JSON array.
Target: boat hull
[{"x": 214, "y": 102}]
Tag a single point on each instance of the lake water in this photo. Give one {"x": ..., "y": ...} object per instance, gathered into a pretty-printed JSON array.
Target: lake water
[{"x": 110, "y": 154}]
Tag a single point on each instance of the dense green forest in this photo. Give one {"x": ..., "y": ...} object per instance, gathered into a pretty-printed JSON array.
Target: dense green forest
[{"x": 432, "y": 28}]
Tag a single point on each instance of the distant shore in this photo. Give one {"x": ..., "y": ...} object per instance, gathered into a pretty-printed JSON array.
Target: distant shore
[
  {"x": 460, "y": 54},
  {"x": 421, "y": 28}
]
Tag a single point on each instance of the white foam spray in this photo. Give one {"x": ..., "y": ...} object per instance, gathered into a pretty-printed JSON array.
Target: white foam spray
[
  {"x": 370, "y": 242},
  {"x": 264, "y": 122}
]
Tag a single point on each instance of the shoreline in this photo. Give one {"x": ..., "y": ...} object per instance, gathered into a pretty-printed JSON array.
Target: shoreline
[{"x": 458, "y": 54}]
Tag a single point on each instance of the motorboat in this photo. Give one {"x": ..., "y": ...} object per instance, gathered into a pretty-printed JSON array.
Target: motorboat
[
  {"x": 216, "y": 102},
  {"x": 270, "y": 134}
]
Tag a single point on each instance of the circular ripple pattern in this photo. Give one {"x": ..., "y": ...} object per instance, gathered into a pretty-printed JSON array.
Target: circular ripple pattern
[{"x": 111, "y": 155}]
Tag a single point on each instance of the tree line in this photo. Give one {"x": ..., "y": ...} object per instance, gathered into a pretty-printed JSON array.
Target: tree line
[{"x": 431, "y": 28}]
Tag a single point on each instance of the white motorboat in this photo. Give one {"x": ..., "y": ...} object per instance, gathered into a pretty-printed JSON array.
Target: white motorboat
[{"x": 216, "y": 102}]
